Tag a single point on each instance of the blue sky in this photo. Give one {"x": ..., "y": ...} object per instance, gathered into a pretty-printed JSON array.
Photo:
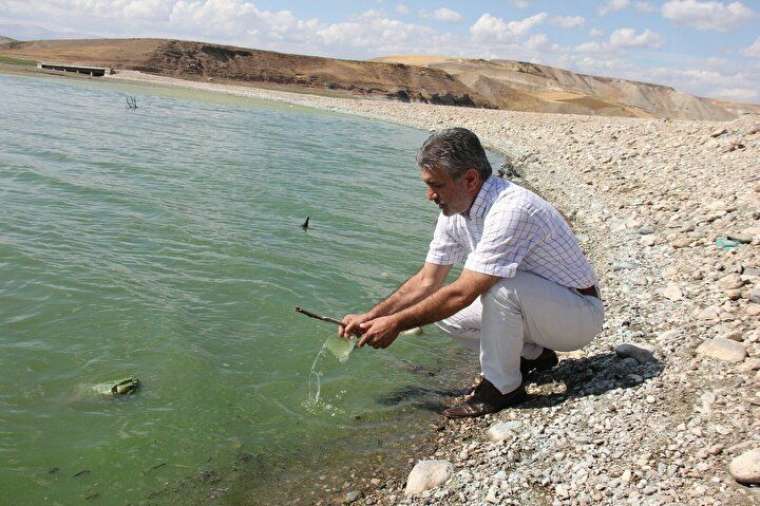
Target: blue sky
[{"x": 704, "y": 47}]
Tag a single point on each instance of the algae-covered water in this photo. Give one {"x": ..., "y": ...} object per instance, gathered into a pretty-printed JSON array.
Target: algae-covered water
[{"x": 166, "y": 243}]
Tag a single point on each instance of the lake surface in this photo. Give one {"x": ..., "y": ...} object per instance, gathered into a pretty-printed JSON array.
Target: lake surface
[{"x": 166, "y": 243}]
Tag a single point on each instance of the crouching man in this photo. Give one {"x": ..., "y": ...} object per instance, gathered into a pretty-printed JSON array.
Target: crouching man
[{"x": 526, "y": 288}]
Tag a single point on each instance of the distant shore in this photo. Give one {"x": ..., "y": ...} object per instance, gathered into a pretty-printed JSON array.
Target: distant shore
[{"x": 649, "y": 198}]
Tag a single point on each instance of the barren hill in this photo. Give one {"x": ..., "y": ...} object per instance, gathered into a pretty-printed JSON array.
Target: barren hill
[
  {"x": 502, "y": 84},
  {"x": 525, "y": 86},
  {"x": 198, "y": 60}
]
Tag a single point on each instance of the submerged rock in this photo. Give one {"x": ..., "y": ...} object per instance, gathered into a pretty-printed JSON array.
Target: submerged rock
[{"x": 352, "y": 496}]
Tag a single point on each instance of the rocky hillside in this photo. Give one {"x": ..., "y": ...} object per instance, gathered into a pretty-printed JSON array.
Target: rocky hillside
[
  {"x": 202, "y": 61},
  {"x": 5, "y": 40},
  {"x": 501, "y": 84},
  {"x": 525, "y": 86}
]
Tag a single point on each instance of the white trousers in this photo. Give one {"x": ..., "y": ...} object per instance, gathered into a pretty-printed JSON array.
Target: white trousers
[{"x": 521, "y": 316}]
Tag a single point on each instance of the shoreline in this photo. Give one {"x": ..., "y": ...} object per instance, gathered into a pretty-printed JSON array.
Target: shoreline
[{"x": 649, "y": 199}]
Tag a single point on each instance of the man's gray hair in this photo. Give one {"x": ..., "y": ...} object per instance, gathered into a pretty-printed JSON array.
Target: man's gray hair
[{"x": 455, "y": 150}]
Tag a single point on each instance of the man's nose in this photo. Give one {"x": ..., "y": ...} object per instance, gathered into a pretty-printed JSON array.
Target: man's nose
[{"x": 431, "y": 195}]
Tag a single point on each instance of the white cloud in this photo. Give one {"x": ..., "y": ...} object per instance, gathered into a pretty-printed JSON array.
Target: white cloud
[
  {"x": 538, "y": 42},
  {"x": 448, "y": 15},
  {"x": 645, "y": 7},
  {"x": 622, "y": 38},
  {"x": 567, "y": 21},
  {"x": 613, "y": 6},
  {"x": 402, "y": 9},
  {"x": 522, "y": 4},
  {"x": 591, "y": 47},
  {"x": 627, "y": 37},
  {"x": 595, "y": 32},
  {"x": 489, "y": 27},
  {"x": 374, "y": 32},
  {"x": 705, "y": 82},
  {"x": 737, "y": 94},
  {"x": 754, "y": 49},
  {"x": 707, "y": 15}
]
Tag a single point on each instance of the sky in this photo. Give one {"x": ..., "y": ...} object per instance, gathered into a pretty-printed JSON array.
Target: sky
[{"x": 703, "y": 47}]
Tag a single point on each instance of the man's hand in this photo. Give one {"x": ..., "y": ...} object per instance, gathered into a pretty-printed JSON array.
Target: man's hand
[
  {"x": 380, "y": 332},
  {"x": 351, "y": 324}
]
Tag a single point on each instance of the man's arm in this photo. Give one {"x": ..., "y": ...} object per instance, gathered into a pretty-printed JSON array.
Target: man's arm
[
  {"x": 382, "y": 331},
  {"x": 427, "y": 280}
]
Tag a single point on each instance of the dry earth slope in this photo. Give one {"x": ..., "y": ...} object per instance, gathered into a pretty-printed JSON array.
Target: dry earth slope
[
  {"x": 531, "y": 87},
  {"x": 202, "y": 61},
  {"x": 502, "y": 84}
]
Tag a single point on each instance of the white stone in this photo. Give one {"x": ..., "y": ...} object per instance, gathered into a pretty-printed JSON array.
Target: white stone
[
  {"x": 428, "y": 474},
  {"x": 749, "y": 365},
  {"x": 723, "y": 349},
  {"x": 731, "y": 282},
  {"x": 710, "y": 313},
  {"x": 746, "y": 467},
  {"x": 640, "y": 352},
  {"x": 673, "y": 292},
  {"x": 502, "y": 430}
]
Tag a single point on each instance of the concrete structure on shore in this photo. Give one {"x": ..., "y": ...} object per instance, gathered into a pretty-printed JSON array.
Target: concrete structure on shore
[{"x": 86, "y": 70}]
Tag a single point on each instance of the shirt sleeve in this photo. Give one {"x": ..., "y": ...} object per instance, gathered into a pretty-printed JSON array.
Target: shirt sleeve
[
  {"x": 444, "y": 248},
  {"x": 509, "y": 234}
]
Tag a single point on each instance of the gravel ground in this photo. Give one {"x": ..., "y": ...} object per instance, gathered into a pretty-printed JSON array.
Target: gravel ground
[{"x": 669, "y": 212}]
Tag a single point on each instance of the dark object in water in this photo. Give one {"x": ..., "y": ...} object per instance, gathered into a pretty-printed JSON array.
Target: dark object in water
[
  {"x": 131, "y": 103},
  {"x": 118, "y": 388},
  {"x": 82, "y": 473},
  {"x": 305, "y": 225}
]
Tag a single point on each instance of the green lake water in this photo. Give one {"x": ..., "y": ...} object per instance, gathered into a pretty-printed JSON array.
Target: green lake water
[{"x": 166, "y": 243}]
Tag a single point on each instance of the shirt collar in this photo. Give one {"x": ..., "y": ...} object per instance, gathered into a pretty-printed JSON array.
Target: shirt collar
[{"x": 483, "y": 199}]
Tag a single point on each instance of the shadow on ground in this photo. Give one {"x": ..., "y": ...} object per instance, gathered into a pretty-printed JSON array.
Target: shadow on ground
[{"x": 572, "y": 378}]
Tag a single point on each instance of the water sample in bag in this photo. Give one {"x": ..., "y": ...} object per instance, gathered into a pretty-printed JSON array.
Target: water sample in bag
[{"x": 340, "y": 348}]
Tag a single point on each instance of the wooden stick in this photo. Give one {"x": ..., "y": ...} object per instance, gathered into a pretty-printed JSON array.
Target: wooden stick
[{"x": 319, "y": 317}]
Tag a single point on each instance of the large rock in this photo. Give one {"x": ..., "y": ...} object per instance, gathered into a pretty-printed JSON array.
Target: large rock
[
  {"x": 640, "y": 352},
  {"x": 723, "y": 349},
  {"x": 746, "y": 467},
  {"x": 501, "y": 431},
  {"x": 428, "y": 474}
]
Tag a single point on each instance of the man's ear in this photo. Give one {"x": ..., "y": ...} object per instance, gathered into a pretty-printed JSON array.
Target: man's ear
[{"x": 472, "y": 179}]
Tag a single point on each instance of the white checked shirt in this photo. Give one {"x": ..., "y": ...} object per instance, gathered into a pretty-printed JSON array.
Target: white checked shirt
[{"x": 509, "y": 228}]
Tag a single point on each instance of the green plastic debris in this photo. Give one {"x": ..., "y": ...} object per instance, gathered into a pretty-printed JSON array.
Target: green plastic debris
[
  {"x": 340, "y": 348},
  {"x": 727, "y": 244},
  {"x": 118, "y": 388}
]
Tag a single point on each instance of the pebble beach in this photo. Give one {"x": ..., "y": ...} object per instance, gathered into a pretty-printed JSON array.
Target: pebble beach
[{"x": 662, "y": 408}]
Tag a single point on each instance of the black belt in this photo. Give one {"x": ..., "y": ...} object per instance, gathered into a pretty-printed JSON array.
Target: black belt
[{"x": 591, "y": 290}]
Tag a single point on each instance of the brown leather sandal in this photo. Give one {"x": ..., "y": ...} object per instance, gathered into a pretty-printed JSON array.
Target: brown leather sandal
[{"x": 486, "y": 399}]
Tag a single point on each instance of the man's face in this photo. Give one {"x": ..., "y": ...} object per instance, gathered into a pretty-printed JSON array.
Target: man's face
[{"x": 450, "y": 195}]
